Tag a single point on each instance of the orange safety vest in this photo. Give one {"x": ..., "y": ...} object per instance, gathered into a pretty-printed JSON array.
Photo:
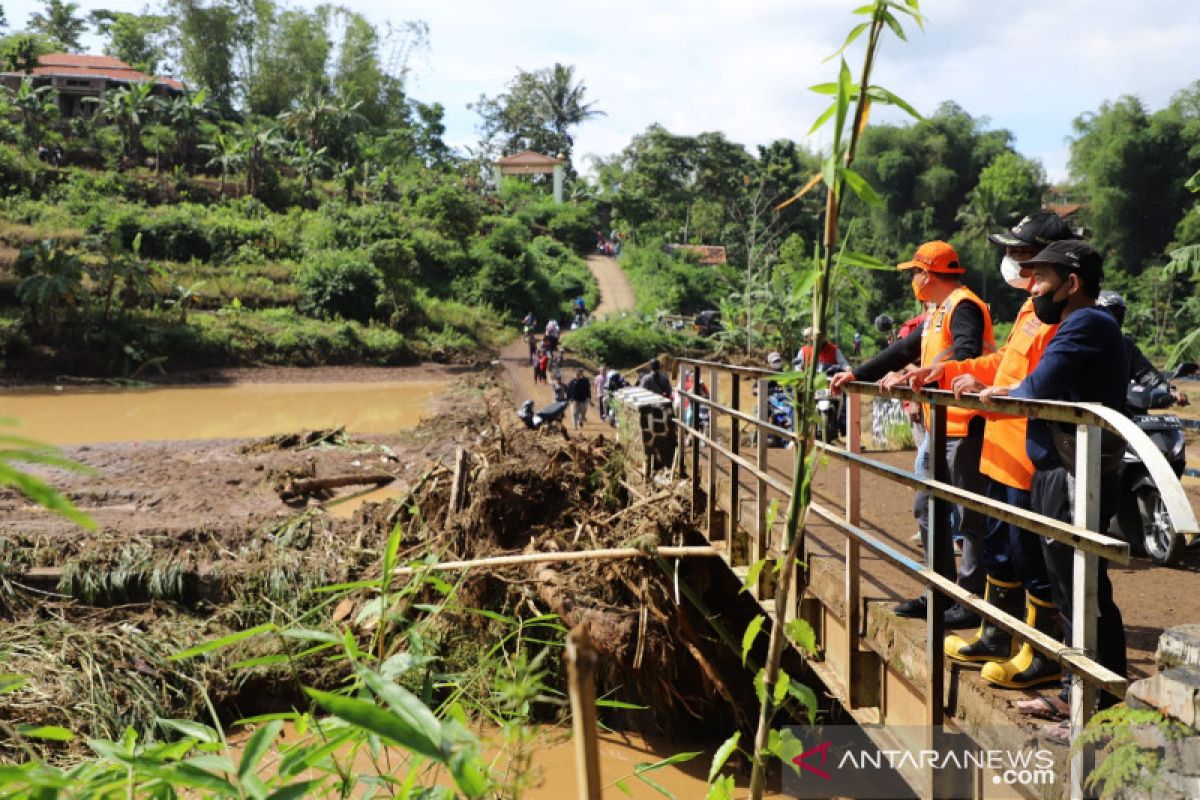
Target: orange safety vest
[
  {"x": 937, "y": 345},
  {"x": 1003, "y": 457}
]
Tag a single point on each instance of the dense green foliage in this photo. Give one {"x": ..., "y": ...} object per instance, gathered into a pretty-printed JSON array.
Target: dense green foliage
[{"x": 623, "y": 341}]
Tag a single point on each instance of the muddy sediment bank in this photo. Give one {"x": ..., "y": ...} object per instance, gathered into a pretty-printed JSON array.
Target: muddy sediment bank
[{"x": 195, "y": 540}]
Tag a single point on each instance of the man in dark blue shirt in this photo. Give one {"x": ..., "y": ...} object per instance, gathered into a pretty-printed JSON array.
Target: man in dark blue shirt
[{"x": 1085, "y": 362}]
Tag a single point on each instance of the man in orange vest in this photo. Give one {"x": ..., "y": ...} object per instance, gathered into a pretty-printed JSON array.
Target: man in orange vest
[
  {"x": 958, "y": 326},
  {"x": 1012, "y": 557}
]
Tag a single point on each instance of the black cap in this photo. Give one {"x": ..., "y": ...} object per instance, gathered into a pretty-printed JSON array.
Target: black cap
[
  {"x": 1036, "y": 230},
  {"x": 1072, "y": 255}
]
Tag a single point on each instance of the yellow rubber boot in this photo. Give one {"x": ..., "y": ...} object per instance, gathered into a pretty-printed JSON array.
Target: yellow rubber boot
[
  {"x": 1029, "y": 667},
  {"x": 990, "y": 643}
]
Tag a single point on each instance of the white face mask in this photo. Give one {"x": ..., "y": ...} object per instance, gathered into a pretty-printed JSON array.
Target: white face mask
[{"x": 1011, "y": 271}]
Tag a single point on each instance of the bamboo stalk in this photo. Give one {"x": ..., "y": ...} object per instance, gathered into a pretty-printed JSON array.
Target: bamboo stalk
[
  {"x": 609, "y": 554},
  {"x": 581, "y": 669}
]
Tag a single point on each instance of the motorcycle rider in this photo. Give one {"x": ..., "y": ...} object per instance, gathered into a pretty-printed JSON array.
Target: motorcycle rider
[
  {"x": 959, "y": 326},
  {"x": 1140, "y": 369},
  {"x": 1012, "y": 558}
]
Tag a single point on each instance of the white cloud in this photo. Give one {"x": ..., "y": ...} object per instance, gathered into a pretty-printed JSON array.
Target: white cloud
[{"x": 744, "y": 67}]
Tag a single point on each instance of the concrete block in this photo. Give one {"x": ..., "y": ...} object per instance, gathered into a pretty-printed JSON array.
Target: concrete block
[
  {"x": 1179, "y": 646},
  {"x": 1188, "y": 749},
  {"x": 1175, "y": 693}
]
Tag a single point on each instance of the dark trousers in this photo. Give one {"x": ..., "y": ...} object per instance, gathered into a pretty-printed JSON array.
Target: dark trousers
[
  {"x": 962, "y": 455},
  {"x": 1052, "y": 494},
  {"x": 1011, "y": 553}
]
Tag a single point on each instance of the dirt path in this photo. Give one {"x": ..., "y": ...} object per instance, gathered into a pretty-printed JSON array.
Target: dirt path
[
  {"x": 615, "y": 295},
  {"x": 615, "y": 292}
]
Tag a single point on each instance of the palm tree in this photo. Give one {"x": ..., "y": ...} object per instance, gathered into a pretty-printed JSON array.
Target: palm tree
[
  {"x": 563, "y": 102},
  {"x": 60, "y": 23}
]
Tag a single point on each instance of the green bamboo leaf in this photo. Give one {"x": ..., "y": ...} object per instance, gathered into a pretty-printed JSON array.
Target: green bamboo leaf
[
  {"x": 407, "y": 706},
  {"x": 44, "y": 495},
  {"x": 310, "y": 635},
  {"x": 258, "y": 745},
  {"x": 869, "y": 8},
  {"x": 864, "y": 261},
  {"x": 821, "y": 120},
  {"x": 678, "y": 758},
  {"x": 187, "y": 727},
  {"x": 392, "y": 548},
  {"x": 752, "y": 574},
  {"x": 858, "y": 184},
  {"x": 225, "y": 641},
  {"x": 750, "y": 634},
  {"x": 655, "y": 785},
  {"x": 469, "y": 772},
  {"x": 211, "y": 763},
  {"x": 722, "y": 755},
  {"x": 53, "y": 733},
  {"x": 185, "y": 774},
  {"x": 10, "y": 682},
  {"x": 384, "y": 723},
  {"x": 855, "y": 32},
  {"x": 603, "y": 703},
  {"x": 829, "y": 170},
  {"x": 845, "y": 87},
  {"x": 721, "y": 790},
  {"x": 895, "y": 26},
  {"x": 259, "y": 719},
  {"x": 802, "y": 633},
  {"x": 878, "y": 94},
  {"x": 295, "y": 791},
  {"x": 829, "y": 88}
]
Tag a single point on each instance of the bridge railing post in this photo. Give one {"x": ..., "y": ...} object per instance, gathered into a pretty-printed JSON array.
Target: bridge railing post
[
  {"x": 1084, "y": 604},
  {"x": 939, "y": 558},
  {"x": 761, "y": 535},
  {"x": 735, "y": 398},
  {"x": 684, "y": 407},
  {"x": 711, "y": 494},
  {"x": 853, "y": 517}
]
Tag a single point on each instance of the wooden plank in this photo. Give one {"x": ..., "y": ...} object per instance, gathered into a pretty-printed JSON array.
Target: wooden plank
[
  {"x": 1083, "y": 600},
  {"x": 735, "y": 397},
  {"x": 581, "y": 670}
]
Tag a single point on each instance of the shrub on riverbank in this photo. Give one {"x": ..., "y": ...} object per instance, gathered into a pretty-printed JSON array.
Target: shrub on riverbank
[{"x": 623, "y": 341}]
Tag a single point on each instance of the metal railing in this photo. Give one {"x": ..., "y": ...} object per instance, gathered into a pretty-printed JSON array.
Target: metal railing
[{"x": 1081, "y": 534}]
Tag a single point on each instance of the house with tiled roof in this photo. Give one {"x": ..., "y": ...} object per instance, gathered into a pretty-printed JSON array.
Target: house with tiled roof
[{"x": 78, "y": 76}]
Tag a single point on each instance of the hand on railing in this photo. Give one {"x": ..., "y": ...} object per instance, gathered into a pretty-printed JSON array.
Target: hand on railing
[
  {"x": 919, "y": 377},
  {"x": 894, "y": 380},
  {"x": 966, "y": 384},
  {"x": 836, "y": 380},
  {"x": 993, "y": 391}
]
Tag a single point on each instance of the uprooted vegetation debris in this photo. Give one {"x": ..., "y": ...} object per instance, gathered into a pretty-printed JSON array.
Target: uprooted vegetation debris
[{"x": 96, "y": 670}]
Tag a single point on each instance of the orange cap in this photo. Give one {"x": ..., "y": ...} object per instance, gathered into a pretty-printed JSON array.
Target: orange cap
[{"x": 935, "y": 257}]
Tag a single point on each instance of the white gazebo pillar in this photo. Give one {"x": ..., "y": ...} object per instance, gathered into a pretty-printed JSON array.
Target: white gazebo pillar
[{"x": 558, "y": 183}]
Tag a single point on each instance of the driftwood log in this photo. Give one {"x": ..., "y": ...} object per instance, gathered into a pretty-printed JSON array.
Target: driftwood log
[{"x": 295, "y": 489}]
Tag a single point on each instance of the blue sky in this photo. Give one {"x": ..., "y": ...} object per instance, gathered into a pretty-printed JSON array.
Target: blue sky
[{"x": 742, "y": 67}]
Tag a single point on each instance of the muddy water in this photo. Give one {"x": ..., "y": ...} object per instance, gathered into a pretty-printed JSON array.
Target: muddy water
[
  {"x": 217, "y": 412},
  {"x": 554, "y": 767}
]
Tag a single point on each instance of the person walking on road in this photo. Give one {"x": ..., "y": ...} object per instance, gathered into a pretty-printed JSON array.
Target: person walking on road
[
  {"x": 655, "y": 381},
  {"x": 579, "y": 392}
]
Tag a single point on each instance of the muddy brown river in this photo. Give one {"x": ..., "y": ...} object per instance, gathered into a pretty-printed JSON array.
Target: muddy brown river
[{"x": 75, "y": 416}]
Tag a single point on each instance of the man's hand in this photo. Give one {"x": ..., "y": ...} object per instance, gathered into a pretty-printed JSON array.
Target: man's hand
[
  {"x": 920, "y": 376},
  {"x": 1179, "y": 397},
  {"x": 893, "y": 380},
  {"x": 836, "y": 381},
  {"x": 993, "y": 391},
  {"x": 966, "y": 384}
]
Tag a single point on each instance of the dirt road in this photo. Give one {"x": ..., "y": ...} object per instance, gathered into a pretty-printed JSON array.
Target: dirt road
[
  {"x": 615, "y": 295},
  {"x": 615, "y": 292}
]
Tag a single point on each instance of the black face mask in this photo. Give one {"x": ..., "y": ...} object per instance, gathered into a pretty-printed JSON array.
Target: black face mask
[{"x": 1049, "y": 310}]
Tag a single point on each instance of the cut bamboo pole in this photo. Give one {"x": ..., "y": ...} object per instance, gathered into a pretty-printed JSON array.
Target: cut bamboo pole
[
  {"x": 581, "y": 670},
  {"x": 611, "y": 554}
]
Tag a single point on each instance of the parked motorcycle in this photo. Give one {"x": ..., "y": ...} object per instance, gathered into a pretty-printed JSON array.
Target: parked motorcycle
[
  {"x": 549, "y": 417},
  {"x": 781, "y": 415},
  {"x": 1142, "y": 517},
  {"x": 830, "y": 418}
]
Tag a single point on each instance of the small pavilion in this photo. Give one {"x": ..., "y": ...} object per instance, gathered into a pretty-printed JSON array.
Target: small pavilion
[{"x": 528, "y": 162}]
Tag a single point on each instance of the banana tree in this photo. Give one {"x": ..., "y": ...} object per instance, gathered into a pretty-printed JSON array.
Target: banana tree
[{"x": 36, "y": 108}]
